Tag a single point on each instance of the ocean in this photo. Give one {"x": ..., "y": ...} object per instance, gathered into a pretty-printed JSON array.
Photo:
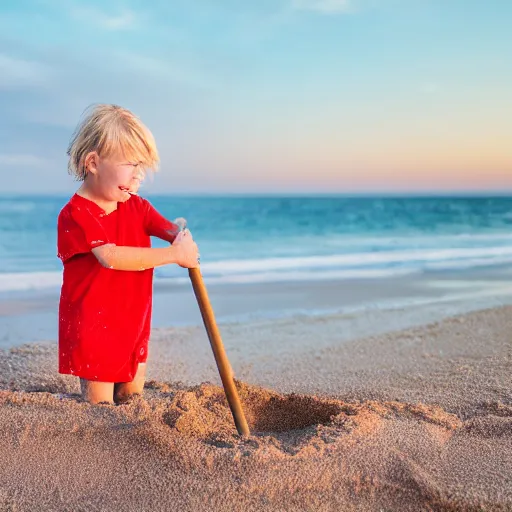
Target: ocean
[{"x": 265, "y": 239}]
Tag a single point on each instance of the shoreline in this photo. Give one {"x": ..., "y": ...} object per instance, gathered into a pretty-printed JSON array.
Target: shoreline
[{"x": 33, "y": 316}]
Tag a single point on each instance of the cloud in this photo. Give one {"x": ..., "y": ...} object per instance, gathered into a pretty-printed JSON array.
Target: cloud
[
  {"x": 16, "y": 160},
  {"x": 15, "y": 72},
  {"x": 71, "y": 86},
  {"x": 123, "y": 20},
  {"x": 170, "y": 71},
  {"x": 323, "y": 6}
]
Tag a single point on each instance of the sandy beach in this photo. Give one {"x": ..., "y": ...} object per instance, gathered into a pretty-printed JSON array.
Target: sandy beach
[
  {"x": 338, "y": 174},
  {"x": 404, "y": 419}
]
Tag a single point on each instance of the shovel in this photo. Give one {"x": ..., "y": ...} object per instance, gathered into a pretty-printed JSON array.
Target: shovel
[{"x": 225, "y": 371}]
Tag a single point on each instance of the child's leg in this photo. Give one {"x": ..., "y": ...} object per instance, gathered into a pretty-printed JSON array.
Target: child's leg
[
  {"x": 123, "y": 390},
  {"x": 95, "y": 392}
]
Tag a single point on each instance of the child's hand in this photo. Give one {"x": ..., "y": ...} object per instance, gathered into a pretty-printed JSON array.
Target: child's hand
[{"x": 187, "y": 253}]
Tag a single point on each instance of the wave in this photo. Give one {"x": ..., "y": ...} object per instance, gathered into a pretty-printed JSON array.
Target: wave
[
  {"x": 307, "y": 268},
  {"x": 415, "y": 240},
  {"x": 26, "y": 281},
  {"x": 31, "y": 281},
  {"x": 417, "y": 257}
]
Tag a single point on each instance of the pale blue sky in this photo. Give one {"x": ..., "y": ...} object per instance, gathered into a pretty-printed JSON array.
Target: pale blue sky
[{"x": 266, "y": 96}]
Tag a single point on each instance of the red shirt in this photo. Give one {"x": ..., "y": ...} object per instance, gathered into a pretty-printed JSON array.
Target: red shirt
[{"x": 105, "y": 314}]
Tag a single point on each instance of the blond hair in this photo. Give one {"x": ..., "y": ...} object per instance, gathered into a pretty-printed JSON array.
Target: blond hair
[{"x": 110, "y": 130}]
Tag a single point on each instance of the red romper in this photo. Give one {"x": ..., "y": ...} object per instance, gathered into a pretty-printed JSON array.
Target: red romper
[{"x": 105, "y": 314}]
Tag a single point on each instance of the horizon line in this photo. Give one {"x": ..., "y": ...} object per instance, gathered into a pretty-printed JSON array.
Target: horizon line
[{"x": 358, "y": 193}]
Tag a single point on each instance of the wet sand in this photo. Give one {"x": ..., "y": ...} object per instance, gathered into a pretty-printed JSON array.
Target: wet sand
[
  {"x": 416, "y": 419},
  {"x": 32, "y": 315}
]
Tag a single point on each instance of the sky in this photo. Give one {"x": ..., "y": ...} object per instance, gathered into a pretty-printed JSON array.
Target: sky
[{"x": 266, "y": 96}]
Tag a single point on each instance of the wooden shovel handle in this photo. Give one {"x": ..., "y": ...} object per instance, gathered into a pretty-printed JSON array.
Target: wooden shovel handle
[{"x": 226, "y": 373}]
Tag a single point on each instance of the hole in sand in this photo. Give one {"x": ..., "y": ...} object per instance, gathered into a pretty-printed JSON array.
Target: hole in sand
[
  {"x": 203, "y": 412},
  {"x": 292, "y": 412}
]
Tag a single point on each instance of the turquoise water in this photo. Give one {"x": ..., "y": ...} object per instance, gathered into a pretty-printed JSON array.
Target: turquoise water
[{"x": 265, "y": 239}]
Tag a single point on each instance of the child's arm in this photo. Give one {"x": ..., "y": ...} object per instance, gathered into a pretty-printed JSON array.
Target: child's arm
[
  {"x": 183, "y": 252},
  {"x": 157, "y": 225}
]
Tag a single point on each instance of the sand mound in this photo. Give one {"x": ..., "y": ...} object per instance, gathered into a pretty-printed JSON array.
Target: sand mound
[
  {"x": 178, "y": 447},
  {"x": 280, "y": 424},
  {"x": 289, "y": 423}
]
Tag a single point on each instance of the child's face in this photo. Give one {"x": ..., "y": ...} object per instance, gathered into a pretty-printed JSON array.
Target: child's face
[{"x": 117, "y": 177}]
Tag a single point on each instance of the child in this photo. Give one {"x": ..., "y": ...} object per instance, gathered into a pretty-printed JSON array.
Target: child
[{"x": 104, "y": 243}]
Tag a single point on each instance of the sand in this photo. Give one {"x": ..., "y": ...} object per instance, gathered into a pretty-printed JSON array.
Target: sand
[{"x": 417, "y": 419}]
